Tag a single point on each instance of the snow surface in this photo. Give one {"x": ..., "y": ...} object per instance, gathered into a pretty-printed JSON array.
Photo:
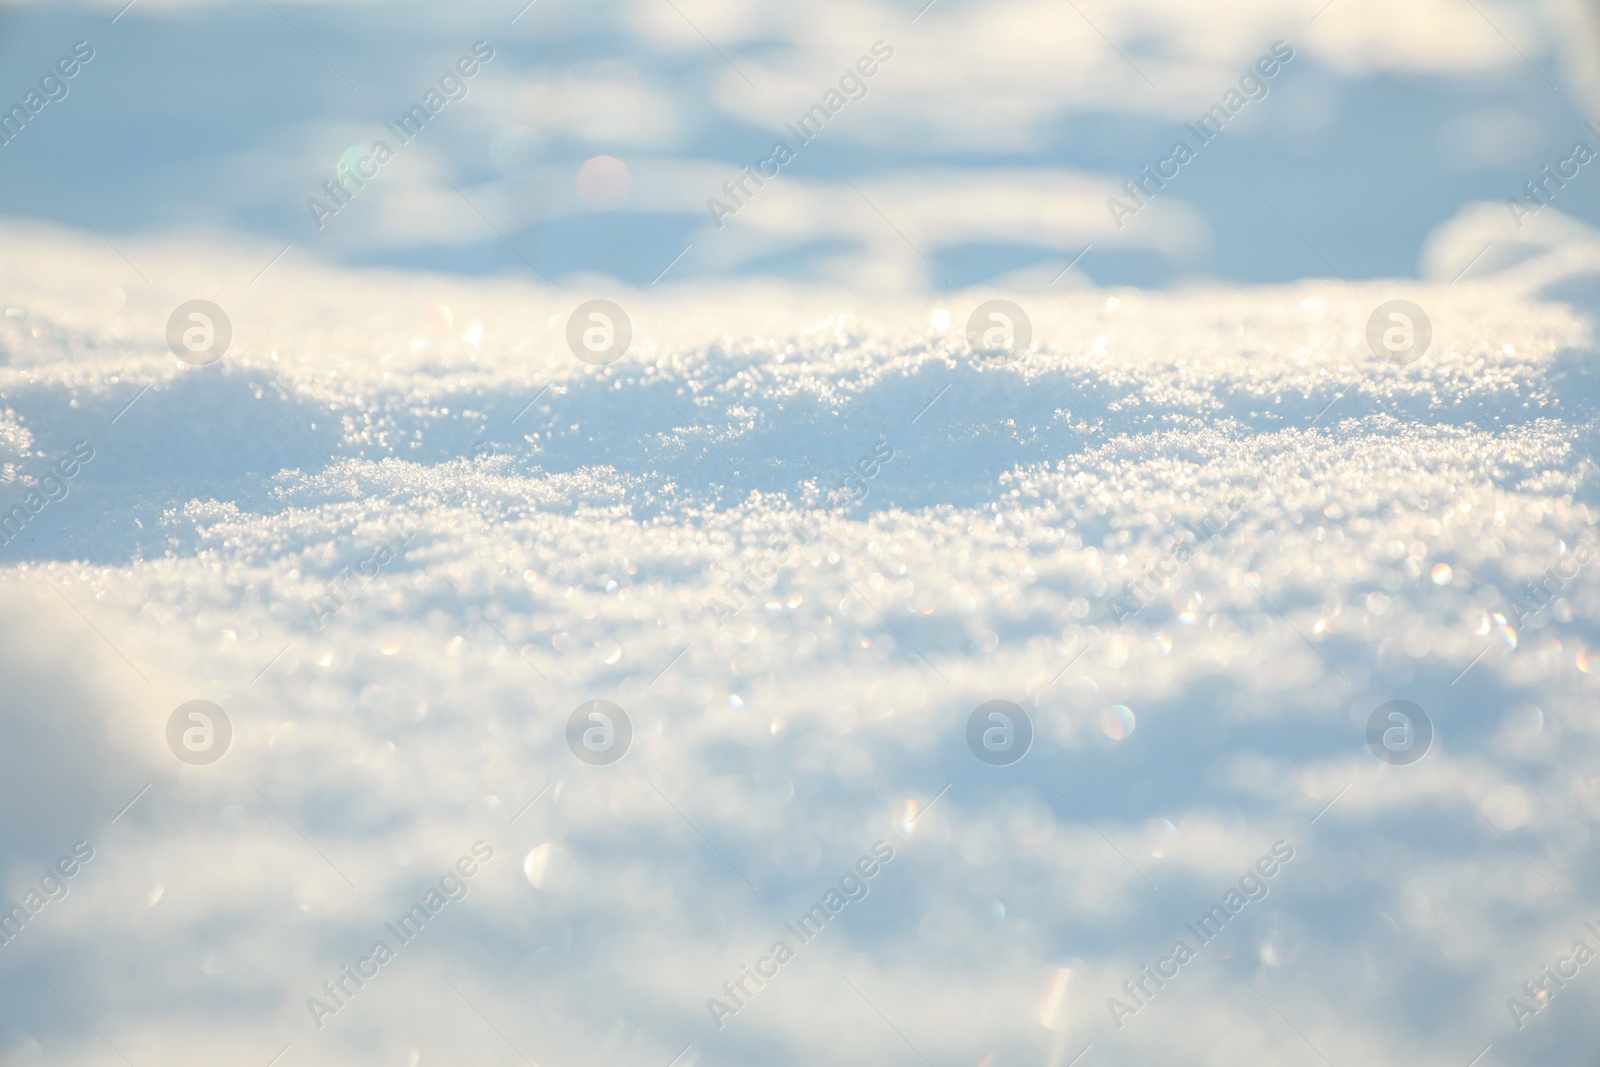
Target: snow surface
[
  {"x": 570, "y": 525},
  {"x": 990, "y": 143}
]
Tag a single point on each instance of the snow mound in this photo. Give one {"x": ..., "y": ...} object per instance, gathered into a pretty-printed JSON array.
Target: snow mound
[{"x": 400, "y": 532}]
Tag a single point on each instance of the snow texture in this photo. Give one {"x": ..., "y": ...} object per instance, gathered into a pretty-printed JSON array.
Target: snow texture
[{"x": 798, "y": 650}]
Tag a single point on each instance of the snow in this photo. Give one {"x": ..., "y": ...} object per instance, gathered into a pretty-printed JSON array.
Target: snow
[{"x": 556, "y": 532}]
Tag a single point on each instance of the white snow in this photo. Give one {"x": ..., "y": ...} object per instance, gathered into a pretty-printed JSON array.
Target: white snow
[{"x": 569, "y": 526}]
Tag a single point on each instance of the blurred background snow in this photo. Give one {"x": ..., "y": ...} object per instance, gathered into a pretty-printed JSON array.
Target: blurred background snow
[
  {"x": 989, "y": 140},
  {"x": 406, "y": 368}
]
